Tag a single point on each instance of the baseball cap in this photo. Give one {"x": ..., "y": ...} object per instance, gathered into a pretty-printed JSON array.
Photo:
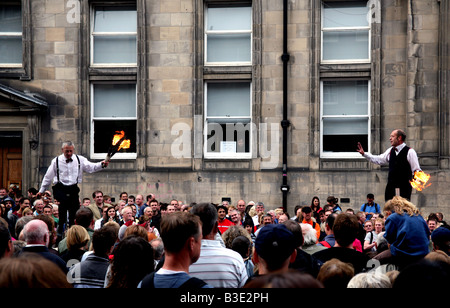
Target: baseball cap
[
  {"x": 306, "y": 209},
  {"x": 440, "y": 235},
  {"x": 275, "y": 243}
]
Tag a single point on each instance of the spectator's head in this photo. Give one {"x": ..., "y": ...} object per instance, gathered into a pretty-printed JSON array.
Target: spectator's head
[
  {"x": 84, "y": 217},
  {"x": 36, "y": 232},
  {"x": 231, "y": 233},
  {"x": 425, "y": 272},
  {"x": 30, "y": 270},
  {"x": 21, "y": 223},
  {"x": 77, "y": 237},
  {"x": 274, "y": 248},
  {"x": 345, "y": 229},
  {"x": 370, "y": 280},
  {"x": 133, "y": 260},
  {"x": 181, "y": 231},
  {"x": 296, "y": 230},
  {"x": 335, "y": 274},
  {"x": 285, "y": 280},
  {"x": 242, "y": 245},
  {"x": 103, "y": 241},
  {"x": 441, "y": 239},
  {"x": 309, "y": 234},
  {"x": 6, "y": 245},
  {"x": 207, "y": 213}
]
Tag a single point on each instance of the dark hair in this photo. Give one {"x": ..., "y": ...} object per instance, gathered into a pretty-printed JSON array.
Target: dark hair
[
  {"x": 330, "y": 220},
  {"x": 132, "y": 261},
  {"x": 241, "y": 244},
  {"x": 296, "y": 230},
  {"x": 96, "y": 192},
  {"x": 424, "y": 272},
  {"x": 249, "y": 222},
  {"x": 84, "y": 217},
  {"x": 177, "y": 228},
  {"x": 103, "y": 239},
  {"x": 208, "y": 215},
  {"x": 345, "y": 229},
  {"x": 222, "y": 207},
  {"x": 290, "y": 279},
  {"x": 313, "y": 207},
  {"x": 5, "y": 237}
]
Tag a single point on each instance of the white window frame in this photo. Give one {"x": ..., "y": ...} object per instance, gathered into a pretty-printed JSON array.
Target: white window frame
[
  {"x": 345, "y": 155},
  {"x": 215, "y": 155},
  {"x": 344, "y": 29},
  {"x": 118, "y": 155},
  {"x": 105, "y": 34},
  {"x": 14, "y": 35},
  {"x": 224, "y": 32}
]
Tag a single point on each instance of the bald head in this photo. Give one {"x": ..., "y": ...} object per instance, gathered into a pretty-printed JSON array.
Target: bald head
[{"x": 36, "y": 232}]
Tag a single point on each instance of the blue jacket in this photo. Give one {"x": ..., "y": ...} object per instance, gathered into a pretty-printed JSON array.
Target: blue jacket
[{"x": 407, "y": 235}]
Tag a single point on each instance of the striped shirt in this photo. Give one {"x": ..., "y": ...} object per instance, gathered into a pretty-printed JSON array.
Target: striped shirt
[{"x": 219, "y": 267}]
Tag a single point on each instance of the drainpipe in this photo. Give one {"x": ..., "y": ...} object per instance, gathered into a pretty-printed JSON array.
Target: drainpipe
[{"x": 285, "y": 122}]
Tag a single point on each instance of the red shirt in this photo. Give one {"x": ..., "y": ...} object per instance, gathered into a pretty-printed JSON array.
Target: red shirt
[{"x": 224, "y": 225}]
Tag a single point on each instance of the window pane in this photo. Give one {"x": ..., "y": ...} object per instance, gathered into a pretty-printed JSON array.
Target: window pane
[
  {"x": 115, "y": 19},
  {"x": 228, "y": 99},
  {"x": 229, "y": 48},
  {"x": 345, "y": 14},
  {"x": 345, "y": 97},
  {"x": 346, "y": 45},
  {"x": 228, "y": 136},
  {"x": 229, "y": 18},
  {"x": 105, "y": 130},
  {"x": 124, "y": 48},
  {"x": 114, "y": 100},
  {"x": 343, "y": 135},
  {"x": 10, "y": 18},
  {"x": 10, "y": 50}
]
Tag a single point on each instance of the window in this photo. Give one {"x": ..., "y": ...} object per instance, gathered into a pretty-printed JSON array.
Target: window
[
  {"x": 111, "y": 56},
  {"x": 345, "y": 32},
  {"x": 114, "y": 109},
  {"x": 228, "y": 35},
  {"x": 345, "y": 117},
  {"x": 228, "y": 121},
  {"x": 10, "y": 35},
  {"x": 114, "y": 28}
]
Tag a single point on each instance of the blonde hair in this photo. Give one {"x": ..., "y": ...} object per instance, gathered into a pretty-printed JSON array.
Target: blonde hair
[
  {"x": 400, "y": 206},
  {"x": 77, "y": 237}
]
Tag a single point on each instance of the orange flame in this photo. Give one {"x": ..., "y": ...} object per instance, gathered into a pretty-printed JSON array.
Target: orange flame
[
  {"x": 125, "y": 144},
  {"x": 420, "y": 180}
]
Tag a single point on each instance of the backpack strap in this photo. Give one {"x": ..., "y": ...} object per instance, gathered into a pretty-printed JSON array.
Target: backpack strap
[
  {"x": 325, "y": 243},
  {"x": 148, "y": 282},
  {"x": 193, "y": 283}
]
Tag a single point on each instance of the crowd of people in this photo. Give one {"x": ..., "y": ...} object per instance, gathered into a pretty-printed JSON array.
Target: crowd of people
[{"x": 141, "y": 242}]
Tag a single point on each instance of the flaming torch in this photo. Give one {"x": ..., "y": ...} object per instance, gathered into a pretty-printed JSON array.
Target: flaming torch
[
  {"x": 420, "y": 180},
  {"x": 119, "y": 142}
]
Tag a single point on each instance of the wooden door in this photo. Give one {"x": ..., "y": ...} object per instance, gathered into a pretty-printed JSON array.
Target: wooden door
[{"x": 11, "y": 166}]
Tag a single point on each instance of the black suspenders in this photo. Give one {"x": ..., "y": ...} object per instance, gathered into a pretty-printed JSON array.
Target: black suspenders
[{"x": 57, "y": 167}]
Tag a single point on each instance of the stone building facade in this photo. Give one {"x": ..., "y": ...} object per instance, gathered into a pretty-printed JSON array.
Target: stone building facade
[{"x": 297, "y": 82}]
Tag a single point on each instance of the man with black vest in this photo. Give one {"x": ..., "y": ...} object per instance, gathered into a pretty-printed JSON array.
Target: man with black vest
[
  {"x": 66, "y": 171},
  {"x": 403, "y": 162}
]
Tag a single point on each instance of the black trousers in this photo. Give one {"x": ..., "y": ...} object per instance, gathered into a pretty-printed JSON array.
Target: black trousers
[
  {"x": 405, "y": 190},
  {"x": 69, "y": 205}
]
